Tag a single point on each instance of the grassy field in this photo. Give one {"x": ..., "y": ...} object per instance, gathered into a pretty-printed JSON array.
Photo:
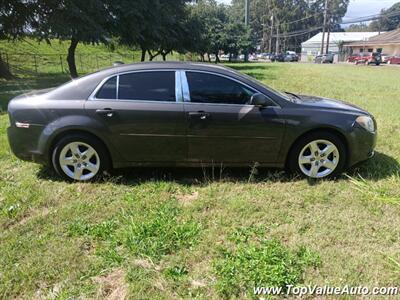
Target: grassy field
[
  {"x": 29, "y": 57},
  {"x": 182, "y": 233}
]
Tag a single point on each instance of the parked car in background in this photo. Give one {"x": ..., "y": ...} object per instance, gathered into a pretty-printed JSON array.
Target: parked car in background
[
  {"x": 280, "y": 57},
  {"x": 352, "y": 58},
  {"x": 291, "y": 56},
  {"x": 324, "y": 58},
  {"x": 224, "y": 57},
  {"x": 369, "y": 58},
  {"x": 264, "y": 55},
  {"x": 385, "y": 58},
  {"x": 393, "y": 60},
  {"x": 188, "y": 114},
  {"x": 253, "y": 57}
]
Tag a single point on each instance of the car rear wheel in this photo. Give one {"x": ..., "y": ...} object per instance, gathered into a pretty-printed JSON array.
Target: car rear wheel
[
  {"x": 80, "y": 158},
  {"x": 318, "y": 155}
]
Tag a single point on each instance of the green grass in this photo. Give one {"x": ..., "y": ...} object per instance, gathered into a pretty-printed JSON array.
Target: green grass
[
  {"x": 179, "y": 233},
  {"x": 30, "y": 57}
]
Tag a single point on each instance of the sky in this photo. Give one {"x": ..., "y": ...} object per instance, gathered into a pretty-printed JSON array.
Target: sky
[{"x": 358, "y": 8}]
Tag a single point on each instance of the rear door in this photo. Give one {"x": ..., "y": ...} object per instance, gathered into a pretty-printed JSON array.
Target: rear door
[
  {"x": 223, "y": 126},
  {"x": 143, "y": 114}
]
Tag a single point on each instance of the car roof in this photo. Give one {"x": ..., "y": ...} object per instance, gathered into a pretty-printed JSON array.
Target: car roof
[{"x": 167, "y": 65}]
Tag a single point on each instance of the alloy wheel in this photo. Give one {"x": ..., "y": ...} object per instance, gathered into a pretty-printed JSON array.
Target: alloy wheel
[
  {"x": 79, "y": 161},
  {"x": 318, "y": 159}
]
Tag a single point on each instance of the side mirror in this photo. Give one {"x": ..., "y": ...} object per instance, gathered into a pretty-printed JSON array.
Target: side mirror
[{"x": 260, "y": 100}]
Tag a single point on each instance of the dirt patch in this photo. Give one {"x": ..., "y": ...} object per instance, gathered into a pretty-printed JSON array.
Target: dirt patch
[
  {"x": 112, "y": 286},
  {"x": 143, "y": 263},
  {"x": 40, "y": 213},
  {"x": 37, "y": 213},
  {"x": 198, "y": 284},
  {"x": 188, "y": 197}
]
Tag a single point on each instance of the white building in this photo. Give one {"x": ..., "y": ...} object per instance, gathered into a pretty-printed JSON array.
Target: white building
[{"x": 312, "y": 47}]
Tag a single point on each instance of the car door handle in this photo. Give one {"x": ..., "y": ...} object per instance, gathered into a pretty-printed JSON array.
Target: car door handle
[
  {"x": 108, "y": 112},
  {"x": 202, "y": 115}
]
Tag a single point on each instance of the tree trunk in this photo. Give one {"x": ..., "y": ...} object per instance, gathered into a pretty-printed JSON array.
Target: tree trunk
[
  {"x": 4, "y": 71},
  {"x": 209, "y": 57},
  {"x": 164, "y": 54},
  {"x": 143, "y": 57},
  {"x": 217, "y": 58},
  {"x": 71, "y": 58},
  {"x": 152, "y": 56}
]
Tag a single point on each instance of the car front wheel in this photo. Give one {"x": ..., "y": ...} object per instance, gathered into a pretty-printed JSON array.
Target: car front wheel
[
  {"x": 318, "y": 155},
  {"x": 79, "y": 158}
]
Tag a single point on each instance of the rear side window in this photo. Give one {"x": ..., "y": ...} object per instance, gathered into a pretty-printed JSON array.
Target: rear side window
[
  {"x": 152, "y": 86},
  {"x": 209, "y": 88},
  {"x": 108, "y": 90}
]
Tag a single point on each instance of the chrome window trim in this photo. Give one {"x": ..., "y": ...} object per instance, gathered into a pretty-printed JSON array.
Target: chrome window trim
[
  {"x": 117, "y": 88},
  {"x": 186, "y": 87},
  {"x": 92, "y": 96},
  {"x": 178, "y": 87}
]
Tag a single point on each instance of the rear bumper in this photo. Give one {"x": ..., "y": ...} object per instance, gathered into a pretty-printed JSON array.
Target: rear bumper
[
  {"x": 362, "y": 145},
  {"x": 24, "y": 143}
]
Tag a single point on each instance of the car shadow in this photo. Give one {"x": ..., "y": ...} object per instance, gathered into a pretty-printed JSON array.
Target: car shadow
[{"x": 379, "y": 167}]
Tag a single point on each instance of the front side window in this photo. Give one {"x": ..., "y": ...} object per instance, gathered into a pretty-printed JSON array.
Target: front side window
[
  {"x": 152, "y": 86},
  {"x": 209, "y": 88},
  {"x": 108, "y": 90}
]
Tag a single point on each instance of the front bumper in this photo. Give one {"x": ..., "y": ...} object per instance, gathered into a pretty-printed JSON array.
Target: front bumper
[{"x": 361, "y": 145}]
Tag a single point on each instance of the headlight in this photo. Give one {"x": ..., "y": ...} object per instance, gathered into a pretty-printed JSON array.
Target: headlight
[{"x": 366, "y": 122}]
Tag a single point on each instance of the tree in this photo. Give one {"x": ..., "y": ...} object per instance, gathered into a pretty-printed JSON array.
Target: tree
[
  {"x": 156, "y": 27},
  {"x": 74, "y": 20},
  {"x": 15, "y": 16},
  {"x": 358, "y": 28},
  {"x": 301, "y": 17},
  {"x": 389, "y": 19}
]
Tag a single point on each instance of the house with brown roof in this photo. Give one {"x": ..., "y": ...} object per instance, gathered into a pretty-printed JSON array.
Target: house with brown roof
[{"x": 387, "y": 43}]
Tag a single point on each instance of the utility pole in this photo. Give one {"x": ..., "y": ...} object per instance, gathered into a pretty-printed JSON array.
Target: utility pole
[
  {"x": 272, "y": 32},
  {"x": 328, "y": 37},
  {"x": 324, "y": 27},
  {"x": 277, "y": 37},
  {"x": 246, "y": 23}
]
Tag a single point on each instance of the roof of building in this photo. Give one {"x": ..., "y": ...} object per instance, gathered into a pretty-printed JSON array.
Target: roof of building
[
  {"x": 341, "y": 37},
  {"x": 390, "y": 37}
]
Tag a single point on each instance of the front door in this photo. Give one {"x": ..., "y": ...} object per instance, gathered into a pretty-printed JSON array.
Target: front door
[
  {"x": 224, "y": 127},
  {"x": 145, "y": 122}
]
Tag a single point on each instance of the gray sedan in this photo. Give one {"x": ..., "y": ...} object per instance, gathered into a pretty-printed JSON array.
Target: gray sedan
[{"x": 185, "y": 114}]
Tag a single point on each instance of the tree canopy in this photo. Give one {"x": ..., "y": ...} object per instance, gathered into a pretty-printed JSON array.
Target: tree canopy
[{"x": 159, "y": 27}]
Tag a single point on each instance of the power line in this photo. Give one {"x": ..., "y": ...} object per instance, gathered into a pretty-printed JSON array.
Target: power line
[{"x": 357, "y": 20}]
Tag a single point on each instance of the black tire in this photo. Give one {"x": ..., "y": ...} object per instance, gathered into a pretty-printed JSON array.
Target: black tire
[
  {"x": 97, "y": 145},
  {"x": 292, "y": 160}
]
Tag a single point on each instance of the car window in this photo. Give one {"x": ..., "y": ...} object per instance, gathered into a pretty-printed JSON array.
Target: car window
[
  {"x": 108, "y": 90},
  {"x": 153, "y": 86},
  {"x": 209, "y": 88}
]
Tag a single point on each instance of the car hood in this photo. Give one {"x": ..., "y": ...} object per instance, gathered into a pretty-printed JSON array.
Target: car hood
[{"x": 326, "y": 103}]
